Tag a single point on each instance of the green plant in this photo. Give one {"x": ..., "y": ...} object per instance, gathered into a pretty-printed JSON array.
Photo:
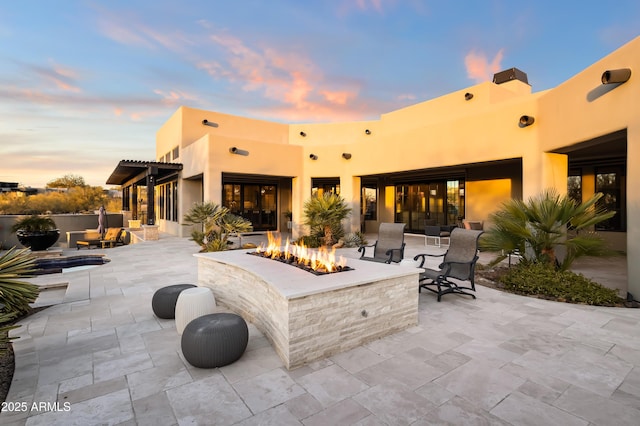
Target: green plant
[
  {"x": 217, "y": 224},
  {"x": 537, "y": 228},
  {"x": 537, "y": 279},
  {"x": 324, "y": 216},
  {"x": 34, "y": 223},
  {"x": 15, "y": 295},
  {"x": 311, "y": 241},
  {"x": 354, "y": 239}
]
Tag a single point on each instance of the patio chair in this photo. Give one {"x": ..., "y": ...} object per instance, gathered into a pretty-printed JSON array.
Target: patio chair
[
  {"x": 89, "y": 239},
  {"x": 390, "y": 244},
  {"x": 436, "y": 232},
  {"x": 458, "y": 265},
  {"x": 113, "y": 237}
]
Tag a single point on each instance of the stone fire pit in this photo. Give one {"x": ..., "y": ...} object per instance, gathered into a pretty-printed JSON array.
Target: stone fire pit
[{"x": 308, "y": 317}]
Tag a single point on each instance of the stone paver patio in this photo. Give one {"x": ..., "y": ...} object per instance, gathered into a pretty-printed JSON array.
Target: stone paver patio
[{"x": 100, "y": 356}]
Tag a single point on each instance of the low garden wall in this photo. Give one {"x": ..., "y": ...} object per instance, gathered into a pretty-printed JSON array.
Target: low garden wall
[{"x": 65, "y": 222}]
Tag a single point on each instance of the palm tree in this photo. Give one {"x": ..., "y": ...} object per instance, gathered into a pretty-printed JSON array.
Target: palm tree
[
  {"x": 324, "y": 216},
  {"x": 217, "y": 223},
  {"x": 537, "y": 228}
]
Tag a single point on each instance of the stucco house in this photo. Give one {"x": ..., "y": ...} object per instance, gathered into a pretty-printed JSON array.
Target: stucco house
[{"x": 447, "y": 159}]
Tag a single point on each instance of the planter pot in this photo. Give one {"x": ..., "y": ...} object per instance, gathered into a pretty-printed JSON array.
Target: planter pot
[{"x": 38, "y": 240}]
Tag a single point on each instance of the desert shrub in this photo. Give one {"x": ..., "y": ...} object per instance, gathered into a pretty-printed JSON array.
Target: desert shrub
[
  {"x": 312, "y": 241},
  {"x": 354, "y": 239},
  {"x": 324, "y": 215},
  {"x": 545, "y": 223},
  {"x": 537, "y": 279},
  {"x": 15, "y": 294}
]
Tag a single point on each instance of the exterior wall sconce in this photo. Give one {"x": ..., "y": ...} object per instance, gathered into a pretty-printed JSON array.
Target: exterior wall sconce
[
  {"x": 616, "y": 76},
  {"x": 468, "y": 96},
  {"x": 346, "y": 155},
  {"x": 313, "y": 157},
  {"x": 526, "y": 120},
  {"x": 238, "y": 151},
  {"x": 303, "y": 134},
  {"x": 367, "y": 131},
  {"x": 206, "y": 122}
]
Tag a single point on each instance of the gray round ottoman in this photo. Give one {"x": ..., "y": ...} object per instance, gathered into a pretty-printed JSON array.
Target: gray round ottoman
[
  {"x": 214, "y": 340},
  {"x": 164, "y": 300}
]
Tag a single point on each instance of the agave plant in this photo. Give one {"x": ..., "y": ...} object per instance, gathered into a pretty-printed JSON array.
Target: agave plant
[
  {"x": 15, "y": 294},
  {"x": 324, "y": 215},
  {"x": 217, "y": 224},
  {"x": 539, "y": 227}
]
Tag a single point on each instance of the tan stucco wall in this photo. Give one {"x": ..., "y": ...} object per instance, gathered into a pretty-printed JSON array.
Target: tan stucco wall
[{"x": 447, "y": 131}]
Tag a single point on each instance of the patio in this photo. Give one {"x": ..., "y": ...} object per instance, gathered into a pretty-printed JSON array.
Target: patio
[{"x": 500, "y": 359}]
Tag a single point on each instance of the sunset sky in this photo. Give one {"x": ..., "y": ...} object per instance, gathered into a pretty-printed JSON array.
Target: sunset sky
[{"x": 84, "y": 84}]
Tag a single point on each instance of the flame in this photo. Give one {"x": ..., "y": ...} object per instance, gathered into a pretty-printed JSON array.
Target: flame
[{"x": 318, "y": 260}]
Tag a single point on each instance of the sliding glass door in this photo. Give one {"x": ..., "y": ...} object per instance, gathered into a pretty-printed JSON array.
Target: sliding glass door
[{"x": 442, "y": 202}]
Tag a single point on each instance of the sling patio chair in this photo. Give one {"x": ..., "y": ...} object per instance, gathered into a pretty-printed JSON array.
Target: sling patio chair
[
  {"x": 458, "y": 265},
  {"x": 390, "y": 244}
]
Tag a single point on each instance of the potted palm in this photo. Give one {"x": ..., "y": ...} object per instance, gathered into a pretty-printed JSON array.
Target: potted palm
[{"x": 36, "y": 232}]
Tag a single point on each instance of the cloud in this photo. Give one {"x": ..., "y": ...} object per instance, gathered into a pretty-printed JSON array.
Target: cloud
[
  {"x": 63, "y": 78},
  {"x": 289, "y": 78},
  {"x": 129, "y": 31},
  {"x": 369, "y": 4},
  {"x": 479, "y": 68},
  {"x": 406, "y": 97},
  {"x": 347, "y": 6}
]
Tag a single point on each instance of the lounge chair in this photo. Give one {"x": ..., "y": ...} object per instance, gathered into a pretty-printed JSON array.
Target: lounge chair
[
  {"x": 390, "y": 244},
  {"x": 112, "y": 238},
  {"x": 89, "y": 239},
  {"x": 458, "y": 265}
]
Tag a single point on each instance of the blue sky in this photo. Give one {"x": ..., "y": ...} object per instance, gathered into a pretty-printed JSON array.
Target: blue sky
[{"x": 84, "y": 84}]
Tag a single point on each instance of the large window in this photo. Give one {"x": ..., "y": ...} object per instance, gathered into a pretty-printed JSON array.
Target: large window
[
  {"x": 167, "y": 201},
  {"x": 439, "y": 202},
  {"x": 574, "y": 186},
  {"x": 255, "y": 202},
  {"x": 610, "y": 181},
  {"x": 320, "y": 186},
  {"x": 369, "y": 202}
]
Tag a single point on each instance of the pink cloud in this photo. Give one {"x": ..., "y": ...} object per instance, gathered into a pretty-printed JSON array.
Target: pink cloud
[
  {"x": 479, "y": 68},
  {"x": 287, "y": 77}
]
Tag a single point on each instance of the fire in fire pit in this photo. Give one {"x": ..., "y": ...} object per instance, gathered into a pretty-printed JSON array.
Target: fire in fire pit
[{"x": 318, "y": 262}]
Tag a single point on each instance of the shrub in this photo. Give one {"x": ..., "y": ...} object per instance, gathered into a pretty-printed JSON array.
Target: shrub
[
  {"x": 355, "y": 239},
  {"x": 539, "y": 227},
  {"x": 311, "y": 241},
  {"x": 217, "y": 223},
  {"x": 324, "y": 215},
  {"x": 15, "y": 295},
  {"x": 537, "y": 279}
]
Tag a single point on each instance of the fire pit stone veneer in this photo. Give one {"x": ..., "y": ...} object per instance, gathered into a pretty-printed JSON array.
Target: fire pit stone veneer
[{"x": 308, "y": 317}]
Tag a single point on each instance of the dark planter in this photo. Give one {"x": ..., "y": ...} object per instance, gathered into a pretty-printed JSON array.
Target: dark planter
[{"x": 38, "y": 240}]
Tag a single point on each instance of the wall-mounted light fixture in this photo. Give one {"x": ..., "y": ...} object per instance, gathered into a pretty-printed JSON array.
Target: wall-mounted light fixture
[
  {"x": 209, "y": 123},
  {"x": 238, "y": 151},
  {"x": 313, "y": 156},
  {"x": 303, "y": 134},
  {"x": 526, "y": 120},
  {"x": 346, "y": 155},
  {"x": 367, "y": 131},
  {"x": 468, "y": 96},
  {"x": 616, "y": 76}
]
